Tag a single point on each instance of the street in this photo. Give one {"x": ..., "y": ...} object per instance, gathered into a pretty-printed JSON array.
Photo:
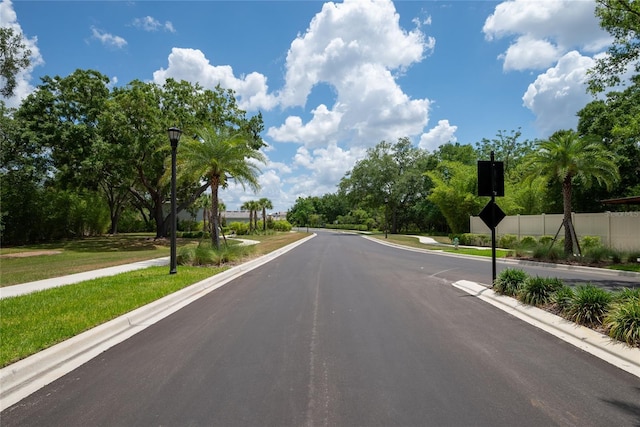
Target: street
[{"x": 341, "y": 331}]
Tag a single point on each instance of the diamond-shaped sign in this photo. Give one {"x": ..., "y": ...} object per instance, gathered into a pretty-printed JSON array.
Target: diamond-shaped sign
[{"x": 492, "y": 214}]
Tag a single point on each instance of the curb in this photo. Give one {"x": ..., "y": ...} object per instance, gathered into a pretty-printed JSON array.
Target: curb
[
  {"x": 600, "y": 345},
  {"x": 28, "y": 375}
]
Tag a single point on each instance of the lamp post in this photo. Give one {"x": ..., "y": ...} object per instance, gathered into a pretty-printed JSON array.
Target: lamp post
[{"x": 174, "y": 137}]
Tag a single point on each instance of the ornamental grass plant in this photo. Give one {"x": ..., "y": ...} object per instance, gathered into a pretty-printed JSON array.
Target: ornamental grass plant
[
  {"x": 589, "y": 305},
  {"x": 509, "y": 281},
  {"x": 538, "y": 290}
]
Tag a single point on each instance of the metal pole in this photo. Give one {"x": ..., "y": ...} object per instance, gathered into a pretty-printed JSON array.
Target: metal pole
[
  {"x": 493, "y": 219},
  {"x": 174, "y": 219}
]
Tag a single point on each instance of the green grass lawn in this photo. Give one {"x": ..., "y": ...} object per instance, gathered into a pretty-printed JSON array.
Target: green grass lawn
[
  {"x": 33, "y": 322},
  {"x": 76, "y": 256}
]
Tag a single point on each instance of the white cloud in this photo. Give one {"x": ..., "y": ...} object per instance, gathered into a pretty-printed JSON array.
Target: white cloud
[
  {"x": 149, "y": 23},
  {"x": 549, "y": 28},
  {"x": 317, "y": 132},
  {"x": 530, "y": 53},
  {"x": 354, "y": 47},
  {"x": 108, "y": 39},
  {"x": 326, "y": 167},
  {"x": 192, "y": 65},
  {"x": 439, "y": 135},
  {"x": 558, "y": 94},
  {"x": 9, "y": 18}
]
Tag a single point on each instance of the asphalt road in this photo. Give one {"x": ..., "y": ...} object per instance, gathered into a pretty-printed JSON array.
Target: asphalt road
[{"x": 341, "y": 331}]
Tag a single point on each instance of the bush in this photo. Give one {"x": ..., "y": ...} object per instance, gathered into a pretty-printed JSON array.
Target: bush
[
  {"x": 589, "y": 305},
  {"x": 562, "y": 299},
  {"x": 528, "y": 242},
  {"x": 590, "y": 242},
  {"x": 597, "y": 254},
  {"x": 509, "y": 281},
  {"x": 281, "y": 225},
  {"x": 468, "y": 239},
  {"x": 240, "y": 228},
  {"x": 633, "y": 257},
  {"x": 205, "y": 254},
  {"x": 623, "y": 321},
  {"x": 508, "y": 241},
  {"x": 545, "y": 240},
  {"x": 627, "y": 294},
  {"x": 538, "y": 290},
  {"x": 544, "y": 252}
]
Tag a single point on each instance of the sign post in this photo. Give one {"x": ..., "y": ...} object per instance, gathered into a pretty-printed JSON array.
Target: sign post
[{"x": 491, "y": 183}]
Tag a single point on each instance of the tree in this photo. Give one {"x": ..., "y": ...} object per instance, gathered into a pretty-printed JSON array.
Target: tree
[
  {"x": 14, "y": 56},
  {"x": 506, "y": 148},
  {"x": 621, "y": 18},
  {"x": 567, "y": 157},
  {"x": 301, "y": 212},
  {"x": 455, "y": 193},
  {"x": 265, "y": 204},
  {"x": 217, "y": 156},
  {"x": 251, "y": 206},
  {"x": 616, "y": 122}
]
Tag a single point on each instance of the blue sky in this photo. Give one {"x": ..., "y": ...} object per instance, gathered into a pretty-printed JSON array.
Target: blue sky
[{"x": 333, "y": 79}]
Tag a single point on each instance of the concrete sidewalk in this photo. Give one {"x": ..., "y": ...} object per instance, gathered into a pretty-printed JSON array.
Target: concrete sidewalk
[{"x": 39, "y": 285}]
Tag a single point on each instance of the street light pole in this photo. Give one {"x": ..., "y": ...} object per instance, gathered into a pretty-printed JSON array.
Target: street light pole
[{"x": 174, "y": 137}]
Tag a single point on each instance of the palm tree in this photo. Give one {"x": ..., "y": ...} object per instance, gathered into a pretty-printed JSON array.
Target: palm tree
[
  {"x": 567, "y": 156},
  {"x": 252, "y": 207},
  {"x": 265, "y": 204},
  {"x": 217, "y": 156}
]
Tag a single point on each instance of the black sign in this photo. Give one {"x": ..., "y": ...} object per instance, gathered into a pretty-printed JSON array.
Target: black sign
[
  {"x": 492, "y": 215},
  {"x": 490, "y": 178}
]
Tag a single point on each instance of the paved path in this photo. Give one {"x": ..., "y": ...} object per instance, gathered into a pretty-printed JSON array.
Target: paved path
[{"x": 39, "y": 285}]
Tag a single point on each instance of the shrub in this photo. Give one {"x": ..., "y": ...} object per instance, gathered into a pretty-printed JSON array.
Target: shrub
[
  {"x": 241, "y": 228},
  {"x": 589, "y": 305},
  {"x": 545, "y": 240},
  {"x": 509, "y": 281},
  {"x": 562, "y": 298},
  {"x": 623, "y": 322},
  {"x": 508, "y": 241},
  {"x": 528, "y": 242},
  {"x": 468, "y": 239},
  {"x": 597, "y": 254},
  {"x": 545, "y": 252},
  {"x": 590, "y": 242},
  {"x": 627, "y": 294},
  {"x": 538, "y": 290},
  {"x": 281, "y": 225},
  {"x": 633, "y": 256}
]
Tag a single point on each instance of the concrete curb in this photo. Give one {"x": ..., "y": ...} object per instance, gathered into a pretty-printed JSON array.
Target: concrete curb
[
  {"x": 26, "y": 376},
  {"x": 614, "y": 352}
]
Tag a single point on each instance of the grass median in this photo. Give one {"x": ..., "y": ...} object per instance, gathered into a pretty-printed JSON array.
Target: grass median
[{"x": 30, "y": 323}]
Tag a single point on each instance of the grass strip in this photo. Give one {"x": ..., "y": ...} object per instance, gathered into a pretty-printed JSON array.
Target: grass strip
[
  {"x": 33, "y": 322},
  {"x": 415, "y": 243}
]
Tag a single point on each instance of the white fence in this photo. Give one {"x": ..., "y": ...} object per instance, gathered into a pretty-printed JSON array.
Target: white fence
[{"x": 618, "y": 230}]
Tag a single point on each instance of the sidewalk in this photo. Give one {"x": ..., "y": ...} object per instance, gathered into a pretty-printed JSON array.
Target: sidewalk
[{"x": 26, "y": 288}]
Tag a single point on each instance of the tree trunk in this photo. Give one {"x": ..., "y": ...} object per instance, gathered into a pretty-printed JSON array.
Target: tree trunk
[
  {"x": 566, "y": 199},
  {"x": 215, "y": 229},
  {"x": 264, "y": 219}
]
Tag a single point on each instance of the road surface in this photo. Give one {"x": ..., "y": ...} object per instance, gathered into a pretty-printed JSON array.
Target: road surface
[{"x": 341, "y": 331}]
